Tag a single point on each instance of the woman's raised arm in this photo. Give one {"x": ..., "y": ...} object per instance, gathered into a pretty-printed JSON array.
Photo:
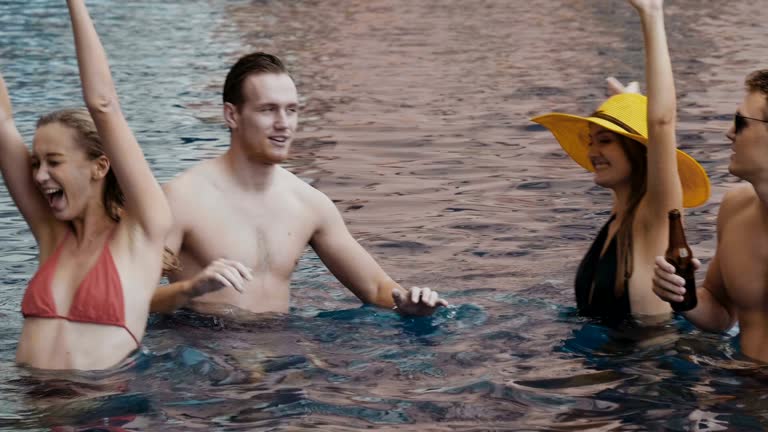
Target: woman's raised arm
[
  {"x": 144, "y": 200},
  {"x": 16, "y": 166},
  {"x": 664, "y": 191}
]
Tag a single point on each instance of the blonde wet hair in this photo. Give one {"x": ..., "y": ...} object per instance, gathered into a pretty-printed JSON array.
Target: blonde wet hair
[
  {"x": 81, "y": 122},
  {"x": 87, "y": 136}
]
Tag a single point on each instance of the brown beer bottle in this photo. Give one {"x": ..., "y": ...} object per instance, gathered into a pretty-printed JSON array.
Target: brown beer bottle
[{"x": 679, "y": 255}]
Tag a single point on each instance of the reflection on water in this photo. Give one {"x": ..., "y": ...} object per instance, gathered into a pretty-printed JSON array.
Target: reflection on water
[{"x": 415, "y": 121}]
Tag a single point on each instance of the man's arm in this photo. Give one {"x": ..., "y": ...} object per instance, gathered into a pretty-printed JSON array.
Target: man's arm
[
  {"x": 217, "y": 275},
  {"x": 714, "y": 311},
  {"x": 354, "y": 267},
  {"x": 168, "y": 298}
]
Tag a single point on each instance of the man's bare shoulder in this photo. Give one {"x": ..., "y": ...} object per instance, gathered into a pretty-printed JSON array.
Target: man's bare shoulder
[
  {"x": 300, "y": 187},
  {"x": 200, "y": 174},
  {"x": 318, "y": 207},
  {"x": 736, "y": 199},
  {"x": 191, "y": 186}
]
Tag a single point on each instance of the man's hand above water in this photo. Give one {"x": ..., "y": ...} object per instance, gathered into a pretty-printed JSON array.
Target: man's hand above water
[
  {"x": 666, "y": 284},
  {"x": 222, "y": 273},
  {"x": 417, "y": 301}
]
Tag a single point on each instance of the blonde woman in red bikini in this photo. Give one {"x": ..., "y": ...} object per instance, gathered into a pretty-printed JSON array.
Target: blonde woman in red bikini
[{"x": 99, "y": 218}]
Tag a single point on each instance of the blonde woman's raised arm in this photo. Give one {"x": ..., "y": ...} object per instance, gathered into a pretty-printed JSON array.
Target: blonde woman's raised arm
[
  {"x": 145, "y": 202},
  {"x": 16, "y": 166}
]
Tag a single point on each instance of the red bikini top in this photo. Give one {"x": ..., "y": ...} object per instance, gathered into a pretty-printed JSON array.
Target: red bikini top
[{"x": 98, "y": 299}]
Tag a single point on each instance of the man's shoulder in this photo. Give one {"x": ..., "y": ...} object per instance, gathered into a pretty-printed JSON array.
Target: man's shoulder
[
  {"x": 313, "y": 200},
  {"x": 192, "y": 189},
  {"x": 299, "y": 186},
  {"x": 191, "y": 179},
  {"x": 738, "y": 196},
  {"x": 736, "y": 200}
]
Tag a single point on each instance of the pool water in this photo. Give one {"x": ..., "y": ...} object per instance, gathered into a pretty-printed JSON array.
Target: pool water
[{"x": 415, "y": 122}]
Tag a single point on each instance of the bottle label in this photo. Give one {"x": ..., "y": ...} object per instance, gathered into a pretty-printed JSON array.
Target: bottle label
[{"x": 683, "y": 253}]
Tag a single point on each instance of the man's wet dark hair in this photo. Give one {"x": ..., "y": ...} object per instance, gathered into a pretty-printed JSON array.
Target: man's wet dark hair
[
  {"x": 757, "y": 81},
  {"x": 250, "y": 64}
]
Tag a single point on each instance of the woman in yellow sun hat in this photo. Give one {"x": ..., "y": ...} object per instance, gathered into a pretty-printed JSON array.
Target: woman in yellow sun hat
[{"x": 629, "y": 143}]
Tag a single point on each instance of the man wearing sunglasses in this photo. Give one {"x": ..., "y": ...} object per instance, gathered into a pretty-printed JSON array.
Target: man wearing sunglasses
[{"x": 736, "y": 283}]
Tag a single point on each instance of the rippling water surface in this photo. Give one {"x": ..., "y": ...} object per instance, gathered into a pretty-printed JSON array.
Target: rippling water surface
[{"x": 415, "y": 121}]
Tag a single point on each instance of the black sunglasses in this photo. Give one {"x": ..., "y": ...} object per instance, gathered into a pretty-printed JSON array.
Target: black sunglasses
[{"x": 740, "y": 122}]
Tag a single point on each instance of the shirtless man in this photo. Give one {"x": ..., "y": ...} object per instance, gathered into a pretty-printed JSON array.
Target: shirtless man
[
  {"x": 242, "y": 207},
  {"x": 736, "y": 284}
]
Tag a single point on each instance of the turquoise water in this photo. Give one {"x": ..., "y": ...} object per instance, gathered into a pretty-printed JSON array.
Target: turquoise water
[{"x": 414, "y": 121}]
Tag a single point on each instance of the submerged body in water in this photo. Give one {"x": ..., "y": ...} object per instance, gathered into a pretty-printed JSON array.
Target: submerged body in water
[{"x": 409, "y": 170}]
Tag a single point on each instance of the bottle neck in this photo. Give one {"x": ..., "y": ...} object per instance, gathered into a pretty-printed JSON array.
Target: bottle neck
[{"x": 676, "y": 232}]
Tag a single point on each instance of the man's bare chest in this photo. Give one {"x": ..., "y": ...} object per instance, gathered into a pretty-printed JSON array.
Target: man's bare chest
[
  {"x": 268, "y": 238},
  {"x": 743, "y": 255}
]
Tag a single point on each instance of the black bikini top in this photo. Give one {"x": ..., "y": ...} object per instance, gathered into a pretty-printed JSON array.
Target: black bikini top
[{"x": 596, "y": 280}]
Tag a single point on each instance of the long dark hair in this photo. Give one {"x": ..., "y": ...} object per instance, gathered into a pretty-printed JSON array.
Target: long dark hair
[
  {"x": 637, "y": 155},
  {"x": 80, "y": 121}
]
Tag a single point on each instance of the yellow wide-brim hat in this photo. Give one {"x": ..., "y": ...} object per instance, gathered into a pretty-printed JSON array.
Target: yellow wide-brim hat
[{"x": 625, "y": 114}]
